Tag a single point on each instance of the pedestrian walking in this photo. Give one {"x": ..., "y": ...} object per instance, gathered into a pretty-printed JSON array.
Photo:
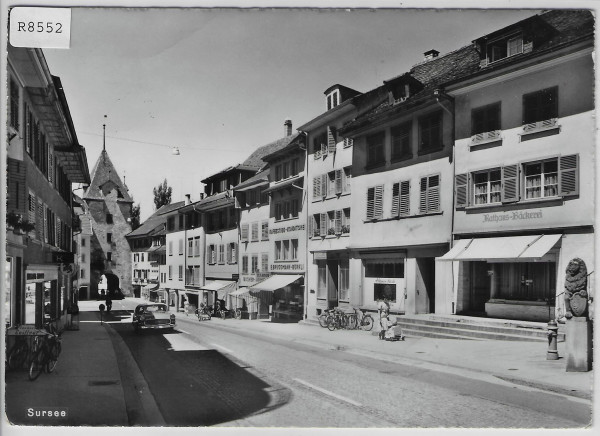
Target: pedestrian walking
[{"x": 108, "y": 304}]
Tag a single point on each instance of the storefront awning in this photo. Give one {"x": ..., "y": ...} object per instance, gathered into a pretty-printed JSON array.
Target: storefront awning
[
  {"x": 239, "y": 292},
  {"x": 151, "y": 287},
  {"x": 508, "y": 248},
  {"x": 276, "y": 281},
  {"x": 221, "y": 287}
]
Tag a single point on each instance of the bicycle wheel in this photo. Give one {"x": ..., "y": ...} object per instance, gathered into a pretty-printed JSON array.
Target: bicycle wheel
[
  {"x": 352, "y": 322},
  {"x": 55, "y": 350},
  {"x": 37, "y": 364},
  {"x": 343, "y": 321},
  {"x": 331, "y": 322},
  {"x": 18, "y": 355},
  {"x": 323, "y": 320},
  {"x": 367, "y": 323}
]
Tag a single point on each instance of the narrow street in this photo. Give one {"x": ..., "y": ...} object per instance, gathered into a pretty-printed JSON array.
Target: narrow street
[{"x": 205, "y": 373}]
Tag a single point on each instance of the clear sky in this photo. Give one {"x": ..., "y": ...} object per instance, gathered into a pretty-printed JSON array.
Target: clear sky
[{"x": 220, "y": 83}]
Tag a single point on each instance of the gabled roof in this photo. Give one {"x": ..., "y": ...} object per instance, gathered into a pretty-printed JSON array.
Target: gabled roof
[
  {"x": 104, "y": 178},
  {"x": 154, "y": 224},
  {"x": 256, "y": 158}
]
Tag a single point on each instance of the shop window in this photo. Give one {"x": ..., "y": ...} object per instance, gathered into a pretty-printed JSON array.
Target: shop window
[
  {"x": 487, "y": 187},
  {"x": 390, "y": 269},
  {"x": 523, "y": 281},
  {"x": 540, "y": 106},
  {"x": 429, "y": 200},
  {"x": 322, "y": 279},
  {"x": 401, "y": 141},
  {"x": 376, "y": 150},
  {"x": 294, "y": 248},
  {"x": 344, "y": 280},
  {"x": 541, "y": 179},
  {"x": 384, "y": 290},
  {"x": 278, "y": 251},
  {"x": 430, "y": 132}
]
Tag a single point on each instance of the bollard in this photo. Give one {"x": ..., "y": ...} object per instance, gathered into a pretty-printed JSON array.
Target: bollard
[{"x": 552, "y": 341}]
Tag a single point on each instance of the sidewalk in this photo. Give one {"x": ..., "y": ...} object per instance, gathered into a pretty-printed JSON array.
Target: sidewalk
[
  {"x": 513, "y": 362},
  {"x": 86, "y": 382}
]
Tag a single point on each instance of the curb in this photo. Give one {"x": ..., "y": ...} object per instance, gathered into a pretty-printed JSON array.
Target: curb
[{"x": 140, "y": 404}]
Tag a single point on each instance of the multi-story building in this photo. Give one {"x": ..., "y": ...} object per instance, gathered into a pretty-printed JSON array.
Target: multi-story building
[
  {"x": 148, "y": 253},
  {"x": 195, "y": 238},
  {"x": 174, "y": 268},
  {"x": 328, "y": 188},
  {"x": 109, "y": 204},
  {"x": 284, "y": 289},
  {"x": 525, "y": 167},
  {"x": 44, "y": 159},
  {"x": 254, "y": 211},
  {"x": 81, "y": 248},
  {"x": 402, "y": 196}
]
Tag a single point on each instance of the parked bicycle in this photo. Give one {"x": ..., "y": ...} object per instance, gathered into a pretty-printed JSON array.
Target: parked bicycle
[
  {"x": 323, "y": 317},
  {"x": 337, "y": 320},
  {"x": 17, "y": 355},
  {"x": 360, "y": 320},
  {"x": 46, "y": 350}
]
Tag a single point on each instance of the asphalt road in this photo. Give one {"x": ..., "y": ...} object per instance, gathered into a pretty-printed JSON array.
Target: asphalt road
[{"x": 205, "y": 373}]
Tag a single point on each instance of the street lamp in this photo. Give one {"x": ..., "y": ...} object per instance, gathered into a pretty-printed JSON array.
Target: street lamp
[{"x": 175, "y": 151}]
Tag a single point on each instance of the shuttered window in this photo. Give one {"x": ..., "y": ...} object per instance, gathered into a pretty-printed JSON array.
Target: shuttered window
[
  {"x": 461, "y": 198},
  {"x": 540, "y": 106},
  {"x": 401, "y": 198},
  {"x": 244, "y": 233},
  {"x": 331, "y": 139},
  {"x": 244, "y": 264},
  {"x": 429, "y": 200},
  {"x": 254, "y": 232},
  {"x": 346, "y": 221},
  {"x": 323, "y": 224},
  {"x": 568, "y": 175},
  {"x": 337, "y": 223},
  {"x": 265, "y": 231},
  {"x": 510, "y": 183},
  {"x": 485, "y": 119},
  {"x": 14, "y": 105},
  {"x": 346, "y": 180},
  {"x": 264, "y": 267},
  {"x": 339, "y": 181},
  {"x": 317, "y": 188},
  {"x": 375, "y": 202}
]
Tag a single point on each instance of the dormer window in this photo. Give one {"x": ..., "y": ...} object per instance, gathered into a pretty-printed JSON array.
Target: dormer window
[
  {"x": 333, "y": 99},
  {"x": 400, "y": 93},
  {"x": 505, "y": 47}
]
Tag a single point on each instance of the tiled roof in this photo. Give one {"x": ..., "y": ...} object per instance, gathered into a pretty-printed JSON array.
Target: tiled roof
[
  {"x": 156, "y": 219},
  {"x": 216, "y": 201},
  {"x": 568, "y": 25},
  {"x": 256, "y": 158},
  {"x": 104, "y": 178},
  {"x": 257, "y": 179}
]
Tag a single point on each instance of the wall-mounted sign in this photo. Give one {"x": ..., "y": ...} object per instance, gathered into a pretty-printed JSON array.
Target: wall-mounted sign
[
  {"x": 320, "y": 255},
  {"x": 287, "y": 229},
  {"x": 286, "y": 267},
  {"x": 512, "y": 216}
]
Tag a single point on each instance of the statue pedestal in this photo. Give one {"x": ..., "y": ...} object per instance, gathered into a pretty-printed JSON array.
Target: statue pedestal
[{"x": 579, "y": 344}]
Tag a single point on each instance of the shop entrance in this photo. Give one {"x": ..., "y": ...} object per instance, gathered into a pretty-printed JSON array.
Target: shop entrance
[
  {"x": 480, "y": 287},
  {"x": 332, "y": 283},
  {"x": 426, "y": 283}
]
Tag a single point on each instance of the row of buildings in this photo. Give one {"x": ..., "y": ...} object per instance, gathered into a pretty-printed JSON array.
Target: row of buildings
[{"x": 462, "y": 186}]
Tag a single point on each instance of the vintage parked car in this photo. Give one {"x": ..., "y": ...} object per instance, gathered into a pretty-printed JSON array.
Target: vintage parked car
[{"x": 152, "y": 316}]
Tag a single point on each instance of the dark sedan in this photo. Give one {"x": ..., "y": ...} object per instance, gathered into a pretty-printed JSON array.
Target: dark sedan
[{"x": 152, "y": 316}]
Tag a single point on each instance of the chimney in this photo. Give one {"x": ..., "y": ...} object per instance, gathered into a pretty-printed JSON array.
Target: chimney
[
  {"x": 287, "y": 127},
  {"x": 431, "y": 54},
  {"x": 188, "y": 199}
]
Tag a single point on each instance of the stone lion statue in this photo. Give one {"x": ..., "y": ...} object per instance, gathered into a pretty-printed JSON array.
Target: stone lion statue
[{"x": 575, "y": 295}]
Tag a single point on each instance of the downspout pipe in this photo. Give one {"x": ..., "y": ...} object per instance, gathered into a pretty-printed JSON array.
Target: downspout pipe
[
  {"x": 440, "y": 94},
  {"x": 305, "y": 201}
]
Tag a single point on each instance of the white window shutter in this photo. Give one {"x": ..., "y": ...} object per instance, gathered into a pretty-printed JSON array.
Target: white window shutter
[
  {"x": 423, "y": 196},
  {"x": 395, "y": 199},
  {"x": 339, "y": 179},
  {"x": 244, "y": 235},
  {"x": 338, "y": 222},
  {"x": 316, "y": 187},
  {"x": 331, "y": 139},
  {"x": 324, "y": 178},
  {"x": 378, "y": 206},
  {"x": 404, "y": 209},
  {"x": 433, "y": 194},
  {"x": 323, "y": 225},
  {"x": 568, "y": 175}
]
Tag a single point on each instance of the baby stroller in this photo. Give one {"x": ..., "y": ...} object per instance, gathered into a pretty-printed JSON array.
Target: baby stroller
[{"x": 390, "y": 331}]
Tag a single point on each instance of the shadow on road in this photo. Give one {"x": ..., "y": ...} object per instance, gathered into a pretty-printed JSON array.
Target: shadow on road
[{"x": 199, "y": 387}]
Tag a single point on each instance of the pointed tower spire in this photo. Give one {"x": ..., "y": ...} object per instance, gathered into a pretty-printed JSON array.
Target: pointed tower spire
[{"x": 104, "y": 134}]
